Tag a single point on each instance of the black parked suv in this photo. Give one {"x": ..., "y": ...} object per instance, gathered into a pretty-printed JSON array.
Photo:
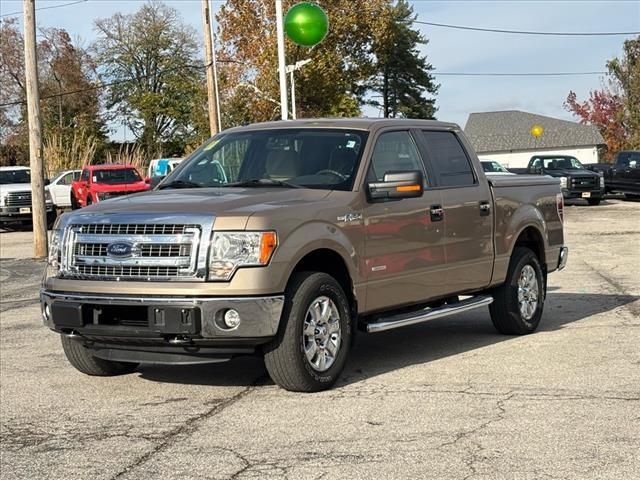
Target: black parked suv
[{"x": 575, "y": 180}]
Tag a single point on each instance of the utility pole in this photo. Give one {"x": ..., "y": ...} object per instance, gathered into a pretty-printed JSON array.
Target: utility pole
[
  {"x": 38, "y": 209},
  {"x": 208, "y": 50},
  {"x": 284, "y": 107}
]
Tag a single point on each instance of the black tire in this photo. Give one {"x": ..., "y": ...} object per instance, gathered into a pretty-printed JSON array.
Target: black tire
[
  {"x": 74, "y": 203},
  {"x": 88, "y": 202},
  {"x": 82, "y": 360},
  {"x": 284, "y": 357},
  {"x": 593, "y": 201},
  {"x": 505, "y": 309}
]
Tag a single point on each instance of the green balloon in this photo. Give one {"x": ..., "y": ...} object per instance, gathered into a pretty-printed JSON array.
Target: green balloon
[{"x": 306, "y": 24}]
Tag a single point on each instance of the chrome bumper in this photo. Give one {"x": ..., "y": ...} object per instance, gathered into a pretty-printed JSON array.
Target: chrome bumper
[
  {"x": 259, "y": 316},
  {"x": 562, "y": 259}
]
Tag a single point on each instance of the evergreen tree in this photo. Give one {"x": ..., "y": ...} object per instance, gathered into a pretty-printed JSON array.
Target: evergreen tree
[{"x": 403, "y": 80}]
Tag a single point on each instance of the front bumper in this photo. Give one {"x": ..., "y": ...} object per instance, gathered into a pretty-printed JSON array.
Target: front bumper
[
  {"x": 162, "y": 329},
  {"x": 570, "y": 193},
  {"x": 17, "y": 214}
]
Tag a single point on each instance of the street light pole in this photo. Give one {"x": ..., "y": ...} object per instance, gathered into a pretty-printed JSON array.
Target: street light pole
[
  {"x": 293, "y": 96},
  {"x": 290, "y": 69},
  {"x": 281, "y": 63}
]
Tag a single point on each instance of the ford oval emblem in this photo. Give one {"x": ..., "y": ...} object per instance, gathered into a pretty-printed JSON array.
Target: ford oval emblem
[{"x": 120, "y": 249}]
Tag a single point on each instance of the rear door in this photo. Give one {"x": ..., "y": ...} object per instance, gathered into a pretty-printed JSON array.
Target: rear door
[
  {"x": 468, "y": 210},
  {"x": 404, "y": 252}
]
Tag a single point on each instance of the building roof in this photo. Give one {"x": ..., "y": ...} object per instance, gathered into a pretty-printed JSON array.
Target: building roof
[{"x": 506, "y": 131}]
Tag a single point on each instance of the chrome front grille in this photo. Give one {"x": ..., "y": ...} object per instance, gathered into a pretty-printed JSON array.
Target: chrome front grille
[
  {"x": 126, "y": 271},
  {"x": 152, "y": 251},
  {"x": 134, "y": 229},
  {"x": 584, "y": 183},
  {"x": 18, "y": 199}
]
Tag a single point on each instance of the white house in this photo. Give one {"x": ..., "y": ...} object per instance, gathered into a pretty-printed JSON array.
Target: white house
[{"x": 506, "y": 137}]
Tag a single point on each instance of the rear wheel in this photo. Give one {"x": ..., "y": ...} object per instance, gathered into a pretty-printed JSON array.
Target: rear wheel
[
  {"x": 518, "y": 303},
  {"x": 82, "y": 360},
  {"x": 593, "y": 201},
  {"x": 311, "y": 348}
]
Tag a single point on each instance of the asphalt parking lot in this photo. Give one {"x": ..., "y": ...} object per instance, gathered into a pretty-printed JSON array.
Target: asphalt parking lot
[{"x": 446, "y": 399}]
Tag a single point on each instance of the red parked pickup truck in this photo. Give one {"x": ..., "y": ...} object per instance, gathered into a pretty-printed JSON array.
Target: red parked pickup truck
[{"x": 101, "y": 182}]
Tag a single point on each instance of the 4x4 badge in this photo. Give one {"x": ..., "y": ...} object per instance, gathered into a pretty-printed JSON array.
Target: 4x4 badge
[{"x": 350, "y": 217}]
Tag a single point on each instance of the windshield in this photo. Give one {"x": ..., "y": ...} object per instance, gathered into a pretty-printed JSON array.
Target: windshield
[
  {"x": 115, "y": 176},
  {"x": 312, "y": 158},
  {"x": 558, "y": 163},
  {"x": 15, "y": 176},
  {"x": 492, "y": 166}
]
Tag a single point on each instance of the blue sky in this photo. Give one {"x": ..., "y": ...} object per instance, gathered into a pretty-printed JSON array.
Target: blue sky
[{"x": 458, "y": 51}]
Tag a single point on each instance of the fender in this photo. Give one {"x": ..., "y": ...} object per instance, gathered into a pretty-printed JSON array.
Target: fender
[{"x": 311, "y": 236}]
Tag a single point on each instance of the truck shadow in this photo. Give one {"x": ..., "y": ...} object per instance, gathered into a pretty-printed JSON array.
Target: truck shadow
[
  {"x": 380, "y": 353},
  {"x": 377, "y": 354}
]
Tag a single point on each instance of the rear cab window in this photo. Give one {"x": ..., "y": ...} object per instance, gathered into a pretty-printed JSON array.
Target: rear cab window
[{"x": 448, "y": 159}]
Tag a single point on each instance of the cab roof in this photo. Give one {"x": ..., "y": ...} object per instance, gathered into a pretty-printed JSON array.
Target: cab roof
[
  {"x": 109, "y": 166},
  {"x": 363, "y": 123}
]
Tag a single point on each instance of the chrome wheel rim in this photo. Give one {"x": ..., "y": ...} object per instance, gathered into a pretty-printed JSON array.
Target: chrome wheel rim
[
  {"x": 528, "y": 292},
  {"x": 321, "y": 334}
]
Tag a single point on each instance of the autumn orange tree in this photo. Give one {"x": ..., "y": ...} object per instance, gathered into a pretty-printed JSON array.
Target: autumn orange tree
[
  {"x": 64, "y": 66},
  {"x": 615, "y": 108},
  {"x": 333, "y": 84}
]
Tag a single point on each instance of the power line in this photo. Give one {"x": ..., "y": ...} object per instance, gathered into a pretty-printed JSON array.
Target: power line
[
  {"x": 507, "y": 74},
  {"x": 525, "y": 32},
  {"x": 44, "y": 8},
  {"x": 101, "y": 85}
]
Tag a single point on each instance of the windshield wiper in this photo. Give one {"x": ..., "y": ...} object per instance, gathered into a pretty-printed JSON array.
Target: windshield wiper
[
  {"x": 179, "y": 184},
  {"x": 262, "y": 182}
]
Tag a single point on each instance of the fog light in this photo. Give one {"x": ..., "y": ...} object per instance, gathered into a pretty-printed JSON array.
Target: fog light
[
  {"x": 231, "y": 318},
  {"x": 46, "y": 313}
]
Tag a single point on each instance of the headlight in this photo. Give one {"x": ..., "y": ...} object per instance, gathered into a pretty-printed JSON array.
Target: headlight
[
  {"x": 601, "y": 181},
  {"x": 232, "y": 250},
  {"x": 47, "y": 196},
  {"x": 55, "y": 245},
  {"x": 1, "y": 200},
  {"x": 563, "y": 182}
]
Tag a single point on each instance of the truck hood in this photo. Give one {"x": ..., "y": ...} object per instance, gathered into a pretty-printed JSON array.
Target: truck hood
[
  {"x": 571, "y": 173},
  {"x": 14, "y": 187},
  {"x": 214, "y": 201}
]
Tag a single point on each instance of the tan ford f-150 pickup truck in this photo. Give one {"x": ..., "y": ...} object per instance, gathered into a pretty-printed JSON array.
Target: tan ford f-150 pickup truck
[{"x": 321, "y": 228}]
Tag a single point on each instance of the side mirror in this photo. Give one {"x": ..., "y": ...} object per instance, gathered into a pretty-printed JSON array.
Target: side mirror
[
  {"x": 397, "y": 185},
  {"x": 47, "y": 181},
  {"x": 154, "y": 181},
  {"x": 147, "y": 180}
]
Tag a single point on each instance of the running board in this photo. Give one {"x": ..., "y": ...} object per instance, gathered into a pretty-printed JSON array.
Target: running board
[{"x": 405, "y": 319}]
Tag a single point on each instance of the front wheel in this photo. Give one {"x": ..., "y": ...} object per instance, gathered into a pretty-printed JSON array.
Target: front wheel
[
  {"x": 313, "y": 341},
  {"x": 518, "y": 303},
  {"x": 74, "y": 203},
  {"x": 81, "y": 359}
]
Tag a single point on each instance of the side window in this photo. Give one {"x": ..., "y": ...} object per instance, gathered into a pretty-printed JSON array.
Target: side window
[
  {"x": 85, "y": 175},
  {"x": 448, "y": 159},
  {"x": 394, "y": 151},
  {"x": 66, "y": 179}
]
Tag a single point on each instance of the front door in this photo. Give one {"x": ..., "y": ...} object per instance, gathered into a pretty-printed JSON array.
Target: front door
[
  {"x": 468, "y": 214},
  {"x": 404, "y": 253}
]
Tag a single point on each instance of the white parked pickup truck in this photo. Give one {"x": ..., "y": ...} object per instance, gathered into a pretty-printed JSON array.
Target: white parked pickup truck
[
  {"x": 60, "y": 187},
  {"x": 15, "y": 196}
]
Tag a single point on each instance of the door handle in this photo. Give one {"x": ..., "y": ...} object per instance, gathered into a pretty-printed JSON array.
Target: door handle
[
  {"x": 485, "y": 209},
  {"x": 437, "y": 213}
]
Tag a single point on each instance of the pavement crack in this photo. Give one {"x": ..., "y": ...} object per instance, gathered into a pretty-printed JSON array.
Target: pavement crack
[{"x": 188, "y": 428}]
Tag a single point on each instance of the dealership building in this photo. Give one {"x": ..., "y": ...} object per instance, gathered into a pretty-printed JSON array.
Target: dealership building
[{"x": 506, "y": 137}]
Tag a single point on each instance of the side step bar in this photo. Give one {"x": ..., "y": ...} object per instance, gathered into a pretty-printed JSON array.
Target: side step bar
[{"x": 405, "y": 319}]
